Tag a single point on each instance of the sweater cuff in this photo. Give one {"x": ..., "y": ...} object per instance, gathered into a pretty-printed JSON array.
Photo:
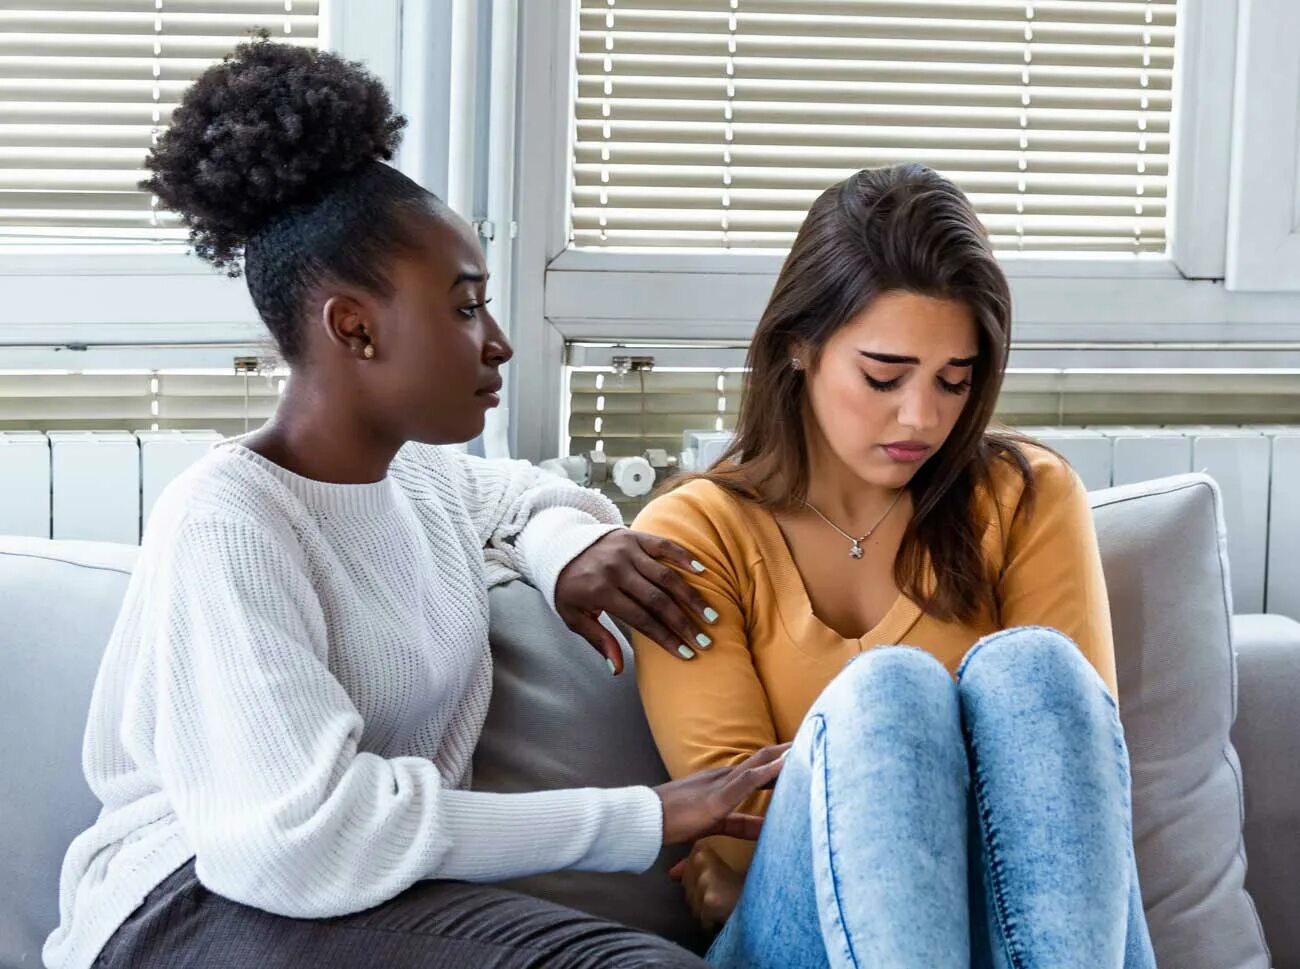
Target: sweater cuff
[
  {"x": 552, "y": 539},
  {"x": 491, "y": 837},
  {"x": 639, "y": 824}
]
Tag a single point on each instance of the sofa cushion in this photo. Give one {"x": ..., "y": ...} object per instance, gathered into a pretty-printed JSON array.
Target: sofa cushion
[
  {"x": 59, "y": 601},
  {"x": 558, "y": 719},
  {"x": 1164, "y": 553},
  {"x": 1267, "y": 733}
]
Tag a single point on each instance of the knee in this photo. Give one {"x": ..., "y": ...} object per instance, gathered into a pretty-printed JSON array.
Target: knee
[
  {"x": 1026, "y": 662},
  {"x": 887, "y": 677}
]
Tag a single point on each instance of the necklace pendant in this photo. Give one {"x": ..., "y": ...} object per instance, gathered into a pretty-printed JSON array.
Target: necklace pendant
[{"x": 855, "y": 550}]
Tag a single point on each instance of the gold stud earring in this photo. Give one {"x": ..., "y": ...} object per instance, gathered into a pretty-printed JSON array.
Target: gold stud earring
[{"x": 369, "y": 351}]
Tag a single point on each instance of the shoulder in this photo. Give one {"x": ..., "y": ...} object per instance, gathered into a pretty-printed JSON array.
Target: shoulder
[
  {"x": 705, "y": 519},
  {"x": 225, "y": 490},
  {"x": 1032, "y": 489},
  {"x": 698, "y": 504},
  {"x": 1030, "y": 469}
]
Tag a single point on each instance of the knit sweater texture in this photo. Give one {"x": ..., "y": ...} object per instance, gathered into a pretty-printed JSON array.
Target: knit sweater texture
[{"x": 293, "y": 692}]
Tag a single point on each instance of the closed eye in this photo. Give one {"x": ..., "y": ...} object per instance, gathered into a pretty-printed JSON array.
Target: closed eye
[{"x": 884, "y": 386}]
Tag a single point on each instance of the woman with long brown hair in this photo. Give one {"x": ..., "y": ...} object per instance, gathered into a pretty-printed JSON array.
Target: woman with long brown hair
[{"x": 964, "y": 801}]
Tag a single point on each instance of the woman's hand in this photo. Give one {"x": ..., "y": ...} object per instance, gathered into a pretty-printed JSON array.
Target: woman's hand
[
  {"x": 627, "y": 574},
  {"x": 712, "y": 886},
  {"x": 704, "y": 804}
]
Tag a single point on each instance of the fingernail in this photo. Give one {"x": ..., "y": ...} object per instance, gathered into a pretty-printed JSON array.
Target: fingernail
[
  {"x": 710, "y": 615},
  {"x": 704, "y": 641},
  {"x": 610, "y": 663},
  {"x": 698, "y": 566},
  {"x": 685, "y": 652}
]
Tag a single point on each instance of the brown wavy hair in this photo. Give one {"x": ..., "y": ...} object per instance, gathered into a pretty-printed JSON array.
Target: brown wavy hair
[{"x": 909, "y": 229}]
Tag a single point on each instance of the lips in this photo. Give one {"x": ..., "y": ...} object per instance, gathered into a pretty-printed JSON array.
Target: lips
[
  {"x": 492, "y": 387},
  {"x": 907, "y": 451}
]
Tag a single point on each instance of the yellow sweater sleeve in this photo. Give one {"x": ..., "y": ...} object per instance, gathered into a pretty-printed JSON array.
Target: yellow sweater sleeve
[
  {"x": 1051, "y": 574},
  {"x": 710, "y": 711}
]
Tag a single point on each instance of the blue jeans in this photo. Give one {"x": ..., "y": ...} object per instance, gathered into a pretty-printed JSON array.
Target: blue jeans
[{"x": 927, "y": 823}]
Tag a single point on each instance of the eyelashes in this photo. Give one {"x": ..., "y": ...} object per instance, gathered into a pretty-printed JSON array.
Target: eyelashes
[
  {"x": 884, "y": 386},
  {"x": 472, "y": 311}
]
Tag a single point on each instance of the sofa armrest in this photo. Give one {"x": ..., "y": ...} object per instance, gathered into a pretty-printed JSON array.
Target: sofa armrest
[{"x": 1267, "y": 737}]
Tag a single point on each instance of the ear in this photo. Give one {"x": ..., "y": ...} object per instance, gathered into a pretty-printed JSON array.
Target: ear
[{"x": 348, "y": 324}]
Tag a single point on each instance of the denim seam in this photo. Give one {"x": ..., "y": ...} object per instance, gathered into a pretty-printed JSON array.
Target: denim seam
[
  {"x": 820, "y": 740},
  {"x": 1010, "y": 941}
]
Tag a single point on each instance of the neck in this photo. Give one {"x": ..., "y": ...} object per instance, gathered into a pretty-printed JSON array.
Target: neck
[
  {"x": 312, "y": 435},
  {"x": 839, "y": 493}
]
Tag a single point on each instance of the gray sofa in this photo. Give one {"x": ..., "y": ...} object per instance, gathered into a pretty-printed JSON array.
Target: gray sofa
[{"x": 557, "y": 719}]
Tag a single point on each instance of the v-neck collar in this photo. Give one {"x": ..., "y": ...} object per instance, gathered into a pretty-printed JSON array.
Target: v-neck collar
[{"x": 802, "y": 624}]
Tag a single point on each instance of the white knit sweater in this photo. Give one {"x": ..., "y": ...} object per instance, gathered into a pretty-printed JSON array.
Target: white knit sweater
[{"x": 295, "y": 686}]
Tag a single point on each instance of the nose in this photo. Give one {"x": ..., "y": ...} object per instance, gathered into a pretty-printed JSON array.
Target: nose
[
  {"x": 497, "y": 350},
  {"x": 919, "y": 409}
]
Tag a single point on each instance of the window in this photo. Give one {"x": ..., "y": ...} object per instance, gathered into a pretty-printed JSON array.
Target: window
[
  {"x": 89, "y": 86},
  {"x": 716, "y": 124},
  {"x": 660, "y": 211}
]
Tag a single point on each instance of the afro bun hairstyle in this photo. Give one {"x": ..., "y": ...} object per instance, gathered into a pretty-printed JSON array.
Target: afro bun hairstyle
[
  {"x": 275, "y": 161},
  {"x": 272, "y": 128}
]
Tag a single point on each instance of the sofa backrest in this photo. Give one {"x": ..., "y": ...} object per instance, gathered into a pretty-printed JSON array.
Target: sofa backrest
[
  {"x": 59, "y": 601},
  {"x": 1164, "y": 551}
]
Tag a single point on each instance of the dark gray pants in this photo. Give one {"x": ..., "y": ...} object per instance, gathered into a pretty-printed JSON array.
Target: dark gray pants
[{"x": 432, "y": 925}]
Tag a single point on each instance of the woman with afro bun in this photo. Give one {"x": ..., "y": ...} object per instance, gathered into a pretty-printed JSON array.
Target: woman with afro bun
[{"x": 283, "y": 723}]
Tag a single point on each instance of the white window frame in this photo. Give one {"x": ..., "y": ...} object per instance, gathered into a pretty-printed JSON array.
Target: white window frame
[
  {"x": 1264, "y": 216},
  {"x": 1093, "y": 311},
  {"x": 155, "y": 306}
]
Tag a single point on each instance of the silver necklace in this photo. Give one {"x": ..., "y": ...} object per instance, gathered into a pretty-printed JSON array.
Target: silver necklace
[{"x": 855, "y": 546}]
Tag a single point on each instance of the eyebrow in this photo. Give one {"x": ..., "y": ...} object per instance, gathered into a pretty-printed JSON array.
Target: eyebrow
[
  {"x": 895, "y": 358},
  {"x": 469, "y": 276}
]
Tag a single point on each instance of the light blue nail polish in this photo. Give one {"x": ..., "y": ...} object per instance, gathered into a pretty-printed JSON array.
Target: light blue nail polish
[
  {"x": 710, "y": 615},
  {"x": 685, "y": 652},
  {"x": 704, "y": 641},
  {"x": 610, "y": 664},
  {"x": 698, "y": 566}
]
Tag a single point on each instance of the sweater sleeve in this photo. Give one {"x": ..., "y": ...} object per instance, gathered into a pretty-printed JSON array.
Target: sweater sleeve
[
  {"x": 530, "y": 522},
  {"x": 1052, "y": 573},
  {"x": 255, "y": 744}
]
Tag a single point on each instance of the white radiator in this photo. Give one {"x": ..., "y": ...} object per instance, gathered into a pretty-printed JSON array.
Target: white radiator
[
  {"x": 1257, "y": 469},
  {"x": 24, "y": 483},
  {"x": 91, "y": 485}
]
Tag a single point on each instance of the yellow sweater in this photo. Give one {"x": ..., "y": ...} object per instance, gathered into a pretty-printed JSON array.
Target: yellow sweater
[{"x": 771, "y": 656}]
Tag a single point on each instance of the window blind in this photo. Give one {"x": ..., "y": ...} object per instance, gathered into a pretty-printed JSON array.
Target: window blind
[
  {"x": 85, "y": 88},
  {"x": 225, "y": 402},
  {"x": 715, "y": 123}
]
